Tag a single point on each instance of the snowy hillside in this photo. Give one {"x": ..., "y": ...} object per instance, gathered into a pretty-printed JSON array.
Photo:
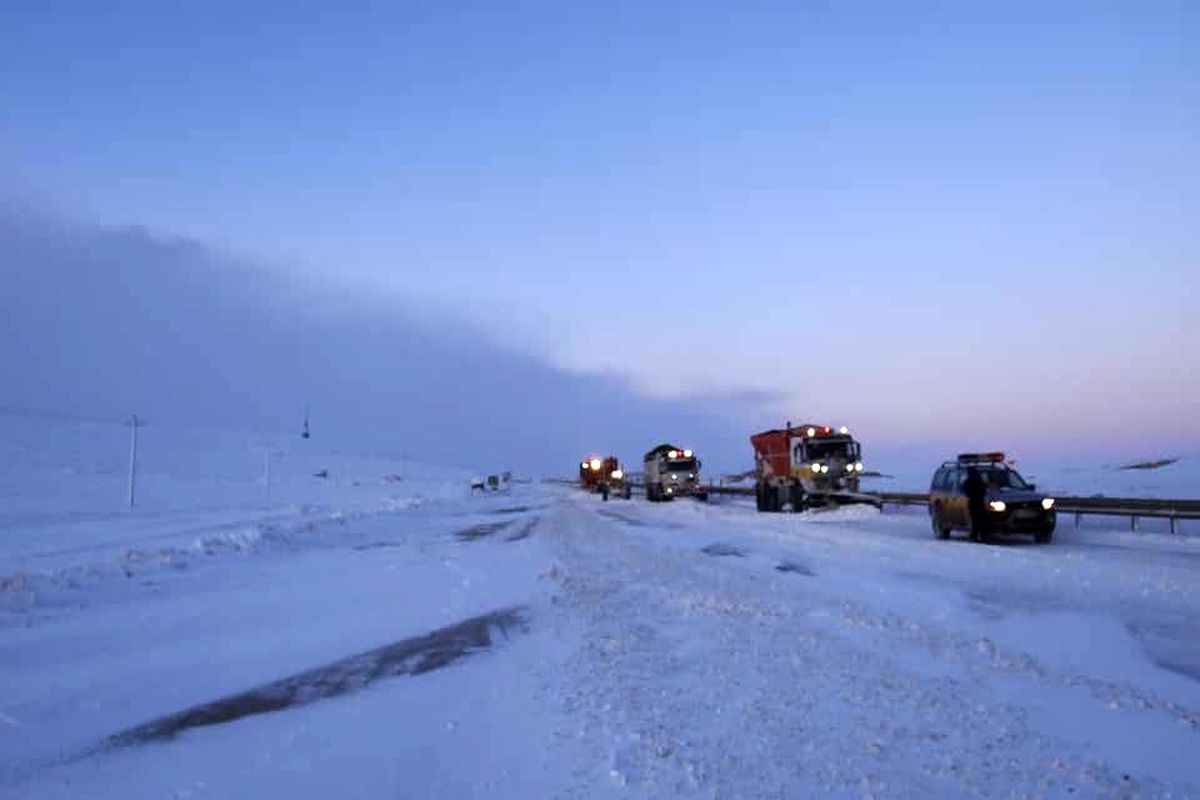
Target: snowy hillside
[{"x": 64, "y": 486}]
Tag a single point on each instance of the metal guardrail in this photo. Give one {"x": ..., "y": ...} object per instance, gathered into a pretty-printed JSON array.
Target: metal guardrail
[{"x": 1132, "y": 507}]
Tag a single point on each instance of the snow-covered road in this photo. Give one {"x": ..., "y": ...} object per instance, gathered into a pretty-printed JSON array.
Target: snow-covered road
[{"x": 669, "y": 650}]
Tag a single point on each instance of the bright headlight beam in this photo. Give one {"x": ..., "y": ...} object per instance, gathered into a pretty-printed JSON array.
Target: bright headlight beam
[
  {"x": 997, "y": 506},
  {"x": 1048, "y": 503}
]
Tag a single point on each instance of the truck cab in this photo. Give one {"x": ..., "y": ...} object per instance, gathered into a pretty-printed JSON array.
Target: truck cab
[
  {"x": 604, "y": 475},
  {"x": 672, "y": 471},
  {"x": 806, "y": 465}
]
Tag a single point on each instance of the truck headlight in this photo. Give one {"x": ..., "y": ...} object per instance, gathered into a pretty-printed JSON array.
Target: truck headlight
[
  {"x": 617, "y": 474},
  {"x": 858, "y": 467},
  {"x": 596, "y": 464},
  {"x": 816, "y": 467},
  {"x": 997, "y": 506},
  {"x": 824, "y": 468},
  {"x": 674, "y": 477},
  {"x": 849, "y": 468},
  {"x": 1048, "y": 503}
]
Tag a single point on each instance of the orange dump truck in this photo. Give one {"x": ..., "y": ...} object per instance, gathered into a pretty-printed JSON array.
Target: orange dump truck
[
  {"x": 807, "y": 465},
  {"x": 604, "y": 475}
]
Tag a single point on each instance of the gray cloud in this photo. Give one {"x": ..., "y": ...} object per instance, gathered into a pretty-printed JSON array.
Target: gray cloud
[{"x": 110, "y": 322}]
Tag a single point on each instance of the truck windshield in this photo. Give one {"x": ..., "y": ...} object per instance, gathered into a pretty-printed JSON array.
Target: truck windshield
[
  {"x": 822, "y": 451},
  {"x": 682, "y": 466}
]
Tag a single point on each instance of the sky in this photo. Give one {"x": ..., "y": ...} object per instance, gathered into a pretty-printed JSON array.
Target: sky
[{"x": 953, "y": 225}]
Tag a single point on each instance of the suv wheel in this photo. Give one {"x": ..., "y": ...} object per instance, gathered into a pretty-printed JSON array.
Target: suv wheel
[{"x": 939, "y": 530}]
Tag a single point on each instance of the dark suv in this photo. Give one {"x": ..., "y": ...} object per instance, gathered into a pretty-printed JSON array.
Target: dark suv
[{"x": 1011, "y": 505}]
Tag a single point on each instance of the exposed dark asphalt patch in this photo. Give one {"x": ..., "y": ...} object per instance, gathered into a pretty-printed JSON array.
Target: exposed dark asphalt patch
[
  {"x": 482, "y": 529},
  {"x": 722, "y": 549},
  {"x": 414, "y": 656},
  {"x": 377, "y": 545},
  {"x": 513, "y": 510},
  {"x": 524, "y": 532},
  {"x": 792, "y": 566}
]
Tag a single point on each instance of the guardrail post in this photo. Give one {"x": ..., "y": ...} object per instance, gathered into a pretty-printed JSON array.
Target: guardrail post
[
  {"x": 1174, "y": 523},
  {"x": 1133, "y": 523},
  {"x": 1078, "y": 517}
]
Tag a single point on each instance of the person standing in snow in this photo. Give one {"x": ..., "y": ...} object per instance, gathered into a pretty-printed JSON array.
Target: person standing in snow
[{"x": 976, "y": 491}]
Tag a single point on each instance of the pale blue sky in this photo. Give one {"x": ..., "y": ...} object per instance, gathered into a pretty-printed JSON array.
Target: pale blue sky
[{"x": 963, "y": 221}]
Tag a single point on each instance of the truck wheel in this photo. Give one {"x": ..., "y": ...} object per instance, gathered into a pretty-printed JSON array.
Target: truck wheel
[
  {"x": 796, "y": 497},
  {"x": 759, "y": 501},
  {"x": 939, "y": 530}
]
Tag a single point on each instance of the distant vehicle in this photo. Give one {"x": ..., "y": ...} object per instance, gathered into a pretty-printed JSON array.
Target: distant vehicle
[
  {"x": 492, "y": 483},
  {"x": 807, "y": 465},
  {"x": 672, "y": 472},
  {"x": 604, "y": 475},
  {"x": 1012, "y": 505}
]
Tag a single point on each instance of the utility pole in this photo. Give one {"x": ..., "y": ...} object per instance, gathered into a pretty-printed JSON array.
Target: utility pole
[{"x": 133, "y": 429}]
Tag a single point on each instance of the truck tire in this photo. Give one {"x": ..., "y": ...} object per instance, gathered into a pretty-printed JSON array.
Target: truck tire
[
  {"x": 796, "y": 497},
  {"x": 760, "y": 501}
]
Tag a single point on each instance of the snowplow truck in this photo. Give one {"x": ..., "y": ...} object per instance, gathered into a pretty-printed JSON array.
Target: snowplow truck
[
  {"x": 604, "y": 475},
  {"x": 805, "y": 466},
  {"x": 671, "y": 472}
]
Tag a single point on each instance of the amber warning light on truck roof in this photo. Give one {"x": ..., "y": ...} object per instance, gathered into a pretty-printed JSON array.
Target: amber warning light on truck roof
[{"x": 823, "y": 430}]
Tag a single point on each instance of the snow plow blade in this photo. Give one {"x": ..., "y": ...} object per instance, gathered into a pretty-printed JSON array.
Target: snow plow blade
[{"x": 844, "y": 499}]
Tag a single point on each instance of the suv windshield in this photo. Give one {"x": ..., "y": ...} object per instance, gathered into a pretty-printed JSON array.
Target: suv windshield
[
  {"x": 820, "y": 451},
  {"x": 1002, "y": 478}
]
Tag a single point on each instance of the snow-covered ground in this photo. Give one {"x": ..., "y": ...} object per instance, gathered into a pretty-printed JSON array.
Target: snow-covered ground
[{"x": 660, "y": 650}]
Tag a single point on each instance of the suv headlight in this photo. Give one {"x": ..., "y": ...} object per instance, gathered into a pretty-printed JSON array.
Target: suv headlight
[
  {"x": 816, "y": 467},
  {"x": 997, "y": 505},
  {"x": 1048, "y": 503}
]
